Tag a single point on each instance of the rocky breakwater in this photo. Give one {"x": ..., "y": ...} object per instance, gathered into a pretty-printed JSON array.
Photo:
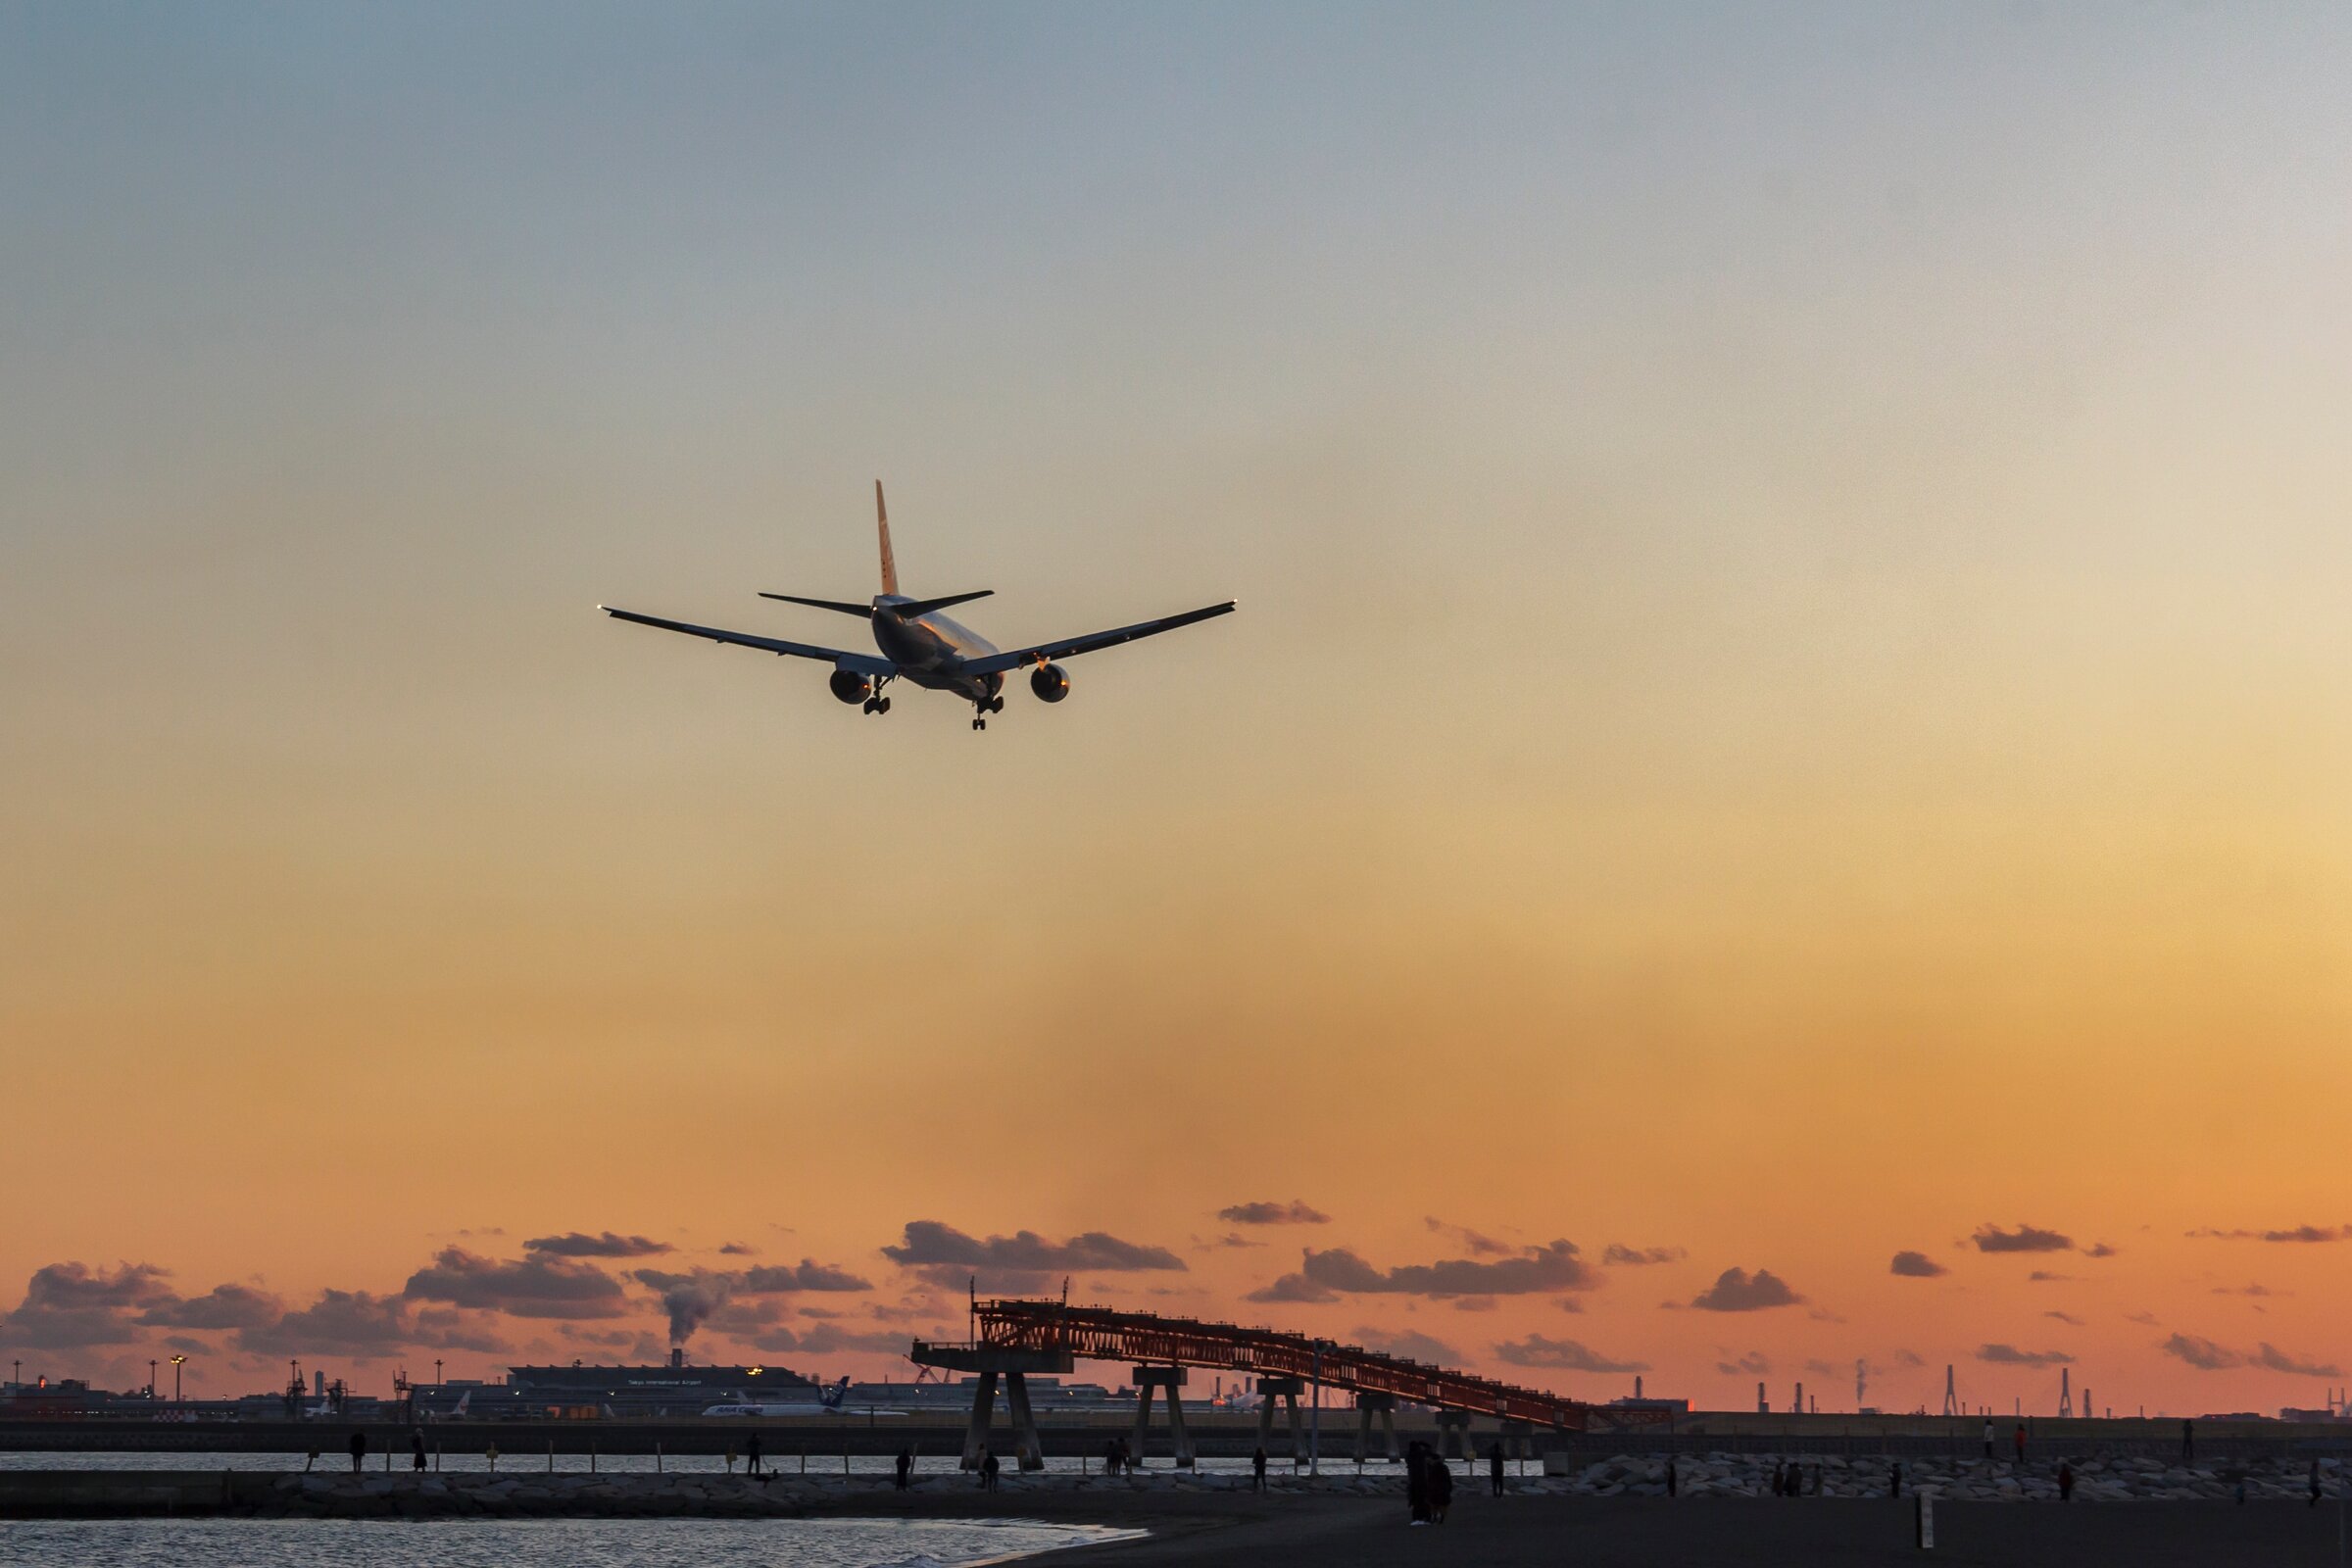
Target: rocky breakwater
[{"x": 2096, "y": 1480}]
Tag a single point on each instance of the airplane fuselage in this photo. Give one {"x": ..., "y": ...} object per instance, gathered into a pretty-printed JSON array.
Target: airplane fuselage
[{"x": 930, "y": 650}]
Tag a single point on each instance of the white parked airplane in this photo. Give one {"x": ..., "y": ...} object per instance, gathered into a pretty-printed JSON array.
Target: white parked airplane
[{"x": 923, "y": 645}]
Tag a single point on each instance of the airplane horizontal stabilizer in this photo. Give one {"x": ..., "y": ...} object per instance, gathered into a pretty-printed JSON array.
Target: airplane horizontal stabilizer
[
  {"x": 862, "y": 612},
  {"x": 924, "y": 606}
]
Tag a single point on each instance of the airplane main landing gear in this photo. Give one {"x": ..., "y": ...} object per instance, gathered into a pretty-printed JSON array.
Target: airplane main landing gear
[
  {"x": 877, "y": 705},
  {"x": 979, "y": 723}
]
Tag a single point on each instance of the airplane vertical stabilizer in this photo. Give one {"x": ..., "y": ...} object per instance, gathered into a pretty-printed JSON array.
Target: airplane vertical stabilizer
[{"x": 890, "y": 566}]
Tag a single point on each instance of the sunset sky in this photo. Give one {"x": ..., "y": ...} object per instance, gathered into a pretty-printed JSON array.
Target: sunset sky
[{"x": 1790, "y": 707}]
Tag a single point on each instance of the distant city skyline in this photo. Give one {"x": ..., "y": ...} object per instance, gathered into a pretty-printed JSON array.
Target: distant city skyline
[{"x": 1779, "y": 795}]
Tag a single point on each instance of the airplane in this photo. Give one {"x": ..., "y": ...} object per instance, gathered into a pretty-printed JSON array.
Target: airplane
[{"x": 919, "y": 644}]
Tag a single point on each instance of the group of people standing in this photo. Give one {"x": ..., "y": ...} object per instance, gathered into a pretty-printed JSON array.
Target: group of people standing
[{"x": 1428, "y": 1484}]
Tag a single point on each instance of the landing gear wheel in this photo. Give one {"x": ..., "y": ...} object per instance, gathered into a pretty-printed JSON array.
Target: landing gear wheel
[
  {"x": 996, "y": 704},
  {"x": 979, "y": 723},
  {"x": 881, "y": 705},
  {"x": 873, "y": 705}
]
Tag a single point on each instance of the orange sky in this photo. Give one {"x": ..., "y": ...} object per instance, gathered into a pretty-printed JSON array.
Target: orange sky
[{"x": 1788, "y": 703}]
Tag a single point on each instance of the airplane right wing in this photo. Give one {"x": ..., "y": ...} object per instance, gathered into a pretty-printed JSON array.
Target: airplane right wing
[
  {"x": 1074, "y": 646},
  {"x": 873, "y": 664}
]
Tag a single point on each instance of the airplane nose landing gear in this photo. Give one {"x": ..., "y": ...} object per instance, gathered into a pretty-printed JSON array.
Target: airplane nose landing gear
[{"x": 979, "y": 723}]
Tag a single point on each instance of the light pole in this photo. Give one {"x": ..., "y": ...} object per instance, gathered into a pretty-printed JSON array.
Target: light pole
[
  {"x": 436, "y": 1371},
  {"x": 177, "y": 1362},
  {"x": 151, "y": 1377}
]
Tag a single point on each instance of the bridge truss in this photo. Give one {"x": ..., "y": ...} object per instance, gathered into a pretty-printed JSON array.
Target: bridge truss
[{"x": 1100, "y": 1334}]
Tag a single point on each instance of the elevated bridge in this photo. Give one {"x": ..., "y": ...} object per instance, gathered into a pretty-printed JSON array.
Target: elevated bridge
[{"x": 1018, "y": 1336}]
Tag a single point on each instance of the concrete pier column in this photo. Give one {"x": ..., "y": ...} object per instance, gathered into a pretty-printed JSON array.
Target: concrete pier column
[
  {"x": 1025, "y": 1442},
  {"x": 1286, "y": 1390},
  {"x": 1368, "y": 1405},
  {"x": 984, "y": 1404},
  {"x": 1454, "y": 1434},
  {"x": 1149, "y": 1379}
]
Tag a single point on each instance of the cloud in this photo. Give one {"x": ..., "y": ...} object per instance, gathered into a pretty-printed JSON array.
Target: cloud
[
  {"x": 1293, "y": 1288},
  {"x": 1736, "y": 1291},
  {"x": 1479, "y": 1246},
  {"x": 735, "y": 1249},
  {"x": 2042, "y": 1276},
  {"x": 366, "y": 1327},
  {"x": 577, "y": 1244},
  {"x": 1569, "y": 1303},
  {"x": 930, "y": 1243},
  {"x": 71, "y": 1304},
  {"x": 1292, "y": 1212},
  {"x": 2024, "y": 1238},
  {"x": 1755, "y": 1363},
  {"x": 2300, "y": 1233},
  {"x": 2278, "y": 1360},
  {"x": 1475, "y": 1304},
  {"x": 1533, "y": 1270},
  {"x": 2011, "y": 1355},
  {"x": 1230, "y": 1242},
  {"x": 2207, "y": 1356},
  {"x": 534, "y": 1287},
  {"x": 2246, "y": 1290},
  {"x": 2099, "y": 1250},
  {"x": 806, "y": 1275},
  {"x": 2150, "y": 1318},
  {"x": 1409, "y": 1344},
  {"x": 2201, "y": 1354},
  {"x": 2068, "y": 1318},
  {"x": 223, "y": 1306},
  {"x": 1640, "y": 1256},
  {"x": 1910, "y": 1358},
  {"x": 1568, "y": 1355},
  {"x": 1916, "y": 1266}
]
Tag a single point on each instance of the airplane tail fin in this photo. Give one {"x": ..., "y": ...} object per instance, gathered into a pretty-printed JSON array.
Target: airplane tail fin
[
  {"x": 831, "y": 1397},
  {"x": 890, "y": 566}
]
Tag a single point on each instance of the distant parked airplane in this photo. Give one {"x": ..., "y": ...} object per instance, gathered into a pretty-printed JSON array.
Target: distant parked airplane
[{"x": 925, "y": 647}]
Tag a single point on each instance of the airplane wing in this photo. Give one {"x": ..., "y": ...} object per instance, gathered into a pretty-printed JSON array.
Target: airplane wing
[
  {"x": 862, "y": 664},
  {"x": 1070, "y": 648}
]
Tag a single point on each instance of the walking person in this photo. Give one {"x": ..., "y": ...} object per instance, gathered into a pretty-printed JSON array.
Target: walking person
[
  {"x": 2020, "y": 1444},
  {"x": 751, "y": 1453},
  {"x": 906, "y": 1467},
  {"x": 2066, "y": 1482},
  {"x": 1416, "y": 1481},
  {"x": 1989, "y": 1441},
  {"x": 417, "y": 1450},
  {"x": 359, "y": 1450},
  {"x": 1258, "y": 1468},
  {"x": 1495, "y": 1470}
]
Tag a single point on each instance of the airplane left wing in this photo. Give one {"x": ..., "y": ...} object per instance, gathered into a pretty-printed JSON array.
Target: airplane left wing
[
  {"x": 1074, "y": 646},
  {"x": 873, "y": 664}
]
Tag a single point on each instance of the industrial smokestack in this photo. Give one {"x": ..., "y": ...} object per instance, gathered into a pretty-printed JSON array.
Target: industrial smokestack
[{"x": 677, "y": 1355}]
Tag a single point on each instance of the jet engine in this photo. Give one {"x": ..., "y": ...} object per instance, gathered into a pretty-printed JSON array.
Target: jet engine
[
  {"x": 1050, "y": 683},
  {"x": 850, "y": 686}
]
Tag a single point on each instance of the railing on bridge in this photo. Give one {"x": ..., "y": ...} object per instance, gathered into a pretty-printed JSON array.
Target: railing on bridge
[{"x": 1100, "y": 1334}]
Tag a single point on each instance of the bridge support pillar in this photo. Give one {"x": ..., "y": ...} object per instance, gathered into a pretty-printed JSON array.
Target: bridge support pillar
[
  {"x": 1453, "y": 1435},
  {"x": 1286, "y": 1389},
  {"x": 1518, "y": 1440},
  {"x": 1025, "y": 1443},
  {"x": 1367, "y": 1405},
  {"x": 1147, "y": 1381},
  {"x": 984, "y": 1404}
]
